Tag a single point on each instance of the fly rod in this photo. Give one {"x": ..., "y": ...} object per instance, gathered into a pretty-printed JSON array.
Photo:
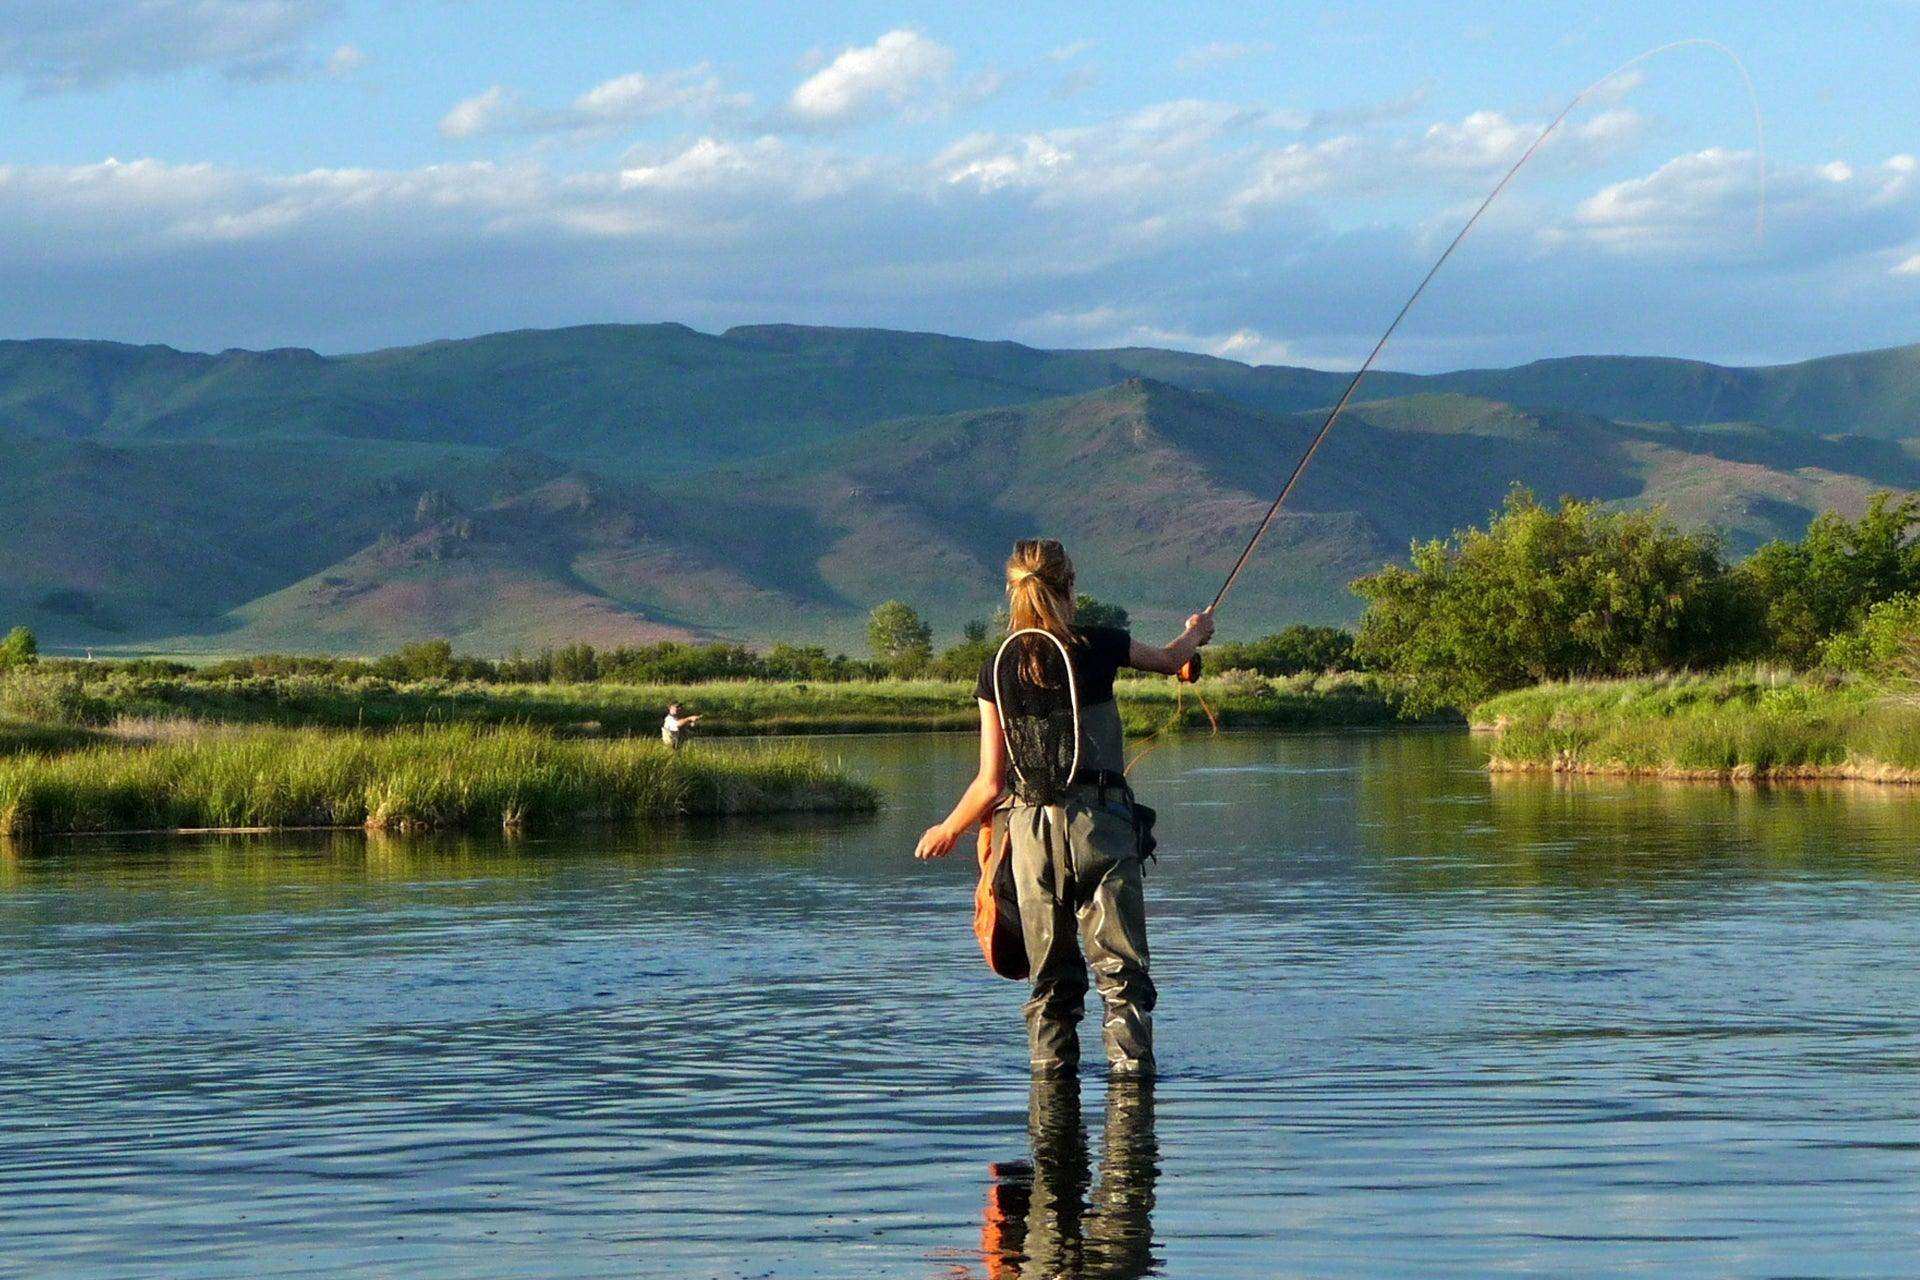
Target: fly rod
[{"x": 1191, "y": 672}]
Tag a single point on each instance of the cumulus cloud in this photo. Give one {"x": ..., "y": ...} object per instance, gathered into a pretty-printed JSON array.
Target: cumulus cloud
[
  {"x": 1708, "y": 202},
  {"x": 901, "y": 72},
  {"x": 81, "y": 43},
  {"x": 624, "y": 100},
  {"x": 1486, "y": 142},
  {"x": 484, "y": 111},
  {"x": 1211, "y": 226}
]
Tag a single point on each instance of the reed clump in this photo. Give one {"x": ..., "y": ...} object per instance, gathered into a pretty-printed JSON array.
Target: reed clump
[
  {"x": 446, "y": 777},
  {"x": 1743, "y": 723}
]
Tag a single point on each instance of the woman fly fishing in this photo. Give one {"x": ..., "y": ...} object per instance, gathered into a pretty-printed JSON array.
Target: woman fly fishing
[{"x": 1050, "y": 734}]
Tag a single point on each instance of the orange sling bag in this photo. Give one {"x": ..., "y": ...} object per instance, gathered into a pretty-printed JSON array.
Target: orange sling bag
[{"x": 996, "y": 905}]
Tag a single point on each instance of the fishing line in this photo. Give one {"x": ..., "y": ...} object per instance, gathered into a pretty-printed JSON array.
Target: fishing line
[
  {"x": 1333, "y": 416},
  {"x": 1191, "y": 672}
]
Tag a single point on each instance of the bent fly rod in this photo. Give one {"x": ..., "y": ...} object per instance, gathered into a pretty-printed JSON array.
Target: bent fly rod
[{"x": 1191, "y": 672}]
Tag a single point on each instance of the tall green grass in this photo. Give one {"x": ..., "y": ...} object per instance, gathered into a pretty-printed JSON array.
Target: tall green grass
[
  {"x": 432, "y": 778},
  {"x": 1747, "y": 722},
  {"x": 24, "y": 735},
  {"x": 726, "y": 707}
]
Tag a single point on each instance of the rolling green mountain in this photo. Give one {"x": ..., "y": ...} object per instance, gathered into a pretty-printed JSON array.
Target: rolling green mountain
[
  {"x": 665, "y": 399},
  {"x": 629, "y": 483}
]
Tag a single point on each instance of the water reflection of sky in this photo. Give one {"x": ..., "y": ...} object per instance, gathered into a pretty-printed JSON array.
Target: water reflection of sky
[{"x": 1416, "y": 1021}]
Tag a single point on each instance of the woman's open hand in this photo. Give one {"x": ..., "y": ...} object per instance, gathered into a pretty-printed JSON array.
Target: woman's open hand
[{"x": 938, "y": 842}]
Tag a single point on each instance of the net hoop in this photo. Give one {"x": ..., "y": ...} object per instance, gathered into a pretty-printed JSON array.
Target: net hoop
[{"x": 1073, "y": 694}]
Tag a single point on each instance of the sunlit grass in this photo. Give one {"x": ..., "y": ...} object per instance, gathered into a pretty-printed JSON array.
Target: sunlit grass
[
  {"x": 430, "y": 778},
  {"x": 1745, "y": 722}
]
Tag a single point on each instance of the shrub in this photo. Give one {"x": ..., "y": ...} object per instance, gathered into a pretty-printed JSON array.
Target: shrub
[
  {"x": 1823, "y": 585},
  {"x": 19, "y": 649},
  {"x": 1543, "y": 594},
  {"x": 1289, "y": 652},
  {"x": 1886, "y": 644}
]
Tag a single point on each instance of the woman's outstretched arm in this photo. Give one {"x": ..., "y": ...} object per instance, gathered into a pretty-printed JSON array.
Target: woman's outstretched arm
[
  {"x": 1168, "y": 660},
  {"x": 977, "y": 801}
]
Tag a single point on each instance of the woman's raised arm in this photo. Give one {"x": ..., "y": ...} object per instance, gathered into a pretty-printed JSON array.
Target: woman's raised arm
[{"x": 1169, "y": 659}]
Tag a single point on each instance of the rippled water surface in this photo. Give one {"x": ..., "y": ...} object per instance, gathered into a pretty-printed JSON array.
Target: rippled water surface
[{"x": 1414, "y": 1022}]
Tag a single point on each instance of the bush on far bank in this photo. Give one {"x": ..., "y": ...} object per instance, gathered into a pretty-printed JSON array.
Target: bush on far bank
[{"x": 1551, "y": 593}]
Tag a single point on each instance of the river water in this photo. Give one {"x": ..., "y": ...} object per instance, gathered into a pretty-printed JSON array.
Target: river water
[{"x": 1414, "y": 1022}]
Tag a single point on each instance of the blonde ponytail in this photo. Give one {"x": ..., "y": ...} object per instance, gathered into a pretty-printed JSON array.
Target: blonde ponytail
[{"x": 1040, "y": 588}]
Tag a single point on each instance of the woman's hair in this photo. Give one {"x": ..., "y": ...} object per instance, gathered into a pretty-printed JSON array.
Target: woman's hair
[{"x": 1040, "y": 588}]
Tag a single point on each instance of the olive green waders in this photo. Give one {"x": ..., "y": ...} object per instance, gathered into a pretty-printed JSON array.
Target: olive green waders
[{"x": 1076, "y": 869}]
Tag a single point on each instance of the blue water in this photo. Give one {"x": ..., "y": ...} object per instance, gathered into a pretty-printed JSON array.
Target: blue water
[{"x": 1414, "y": 1022}]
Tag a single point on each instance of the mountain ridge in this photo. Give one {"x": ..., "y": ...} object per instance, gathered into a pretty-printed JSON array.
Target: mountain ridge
[
  {"x": 697, "y": 399},
  {"x": 630, "y": 483}
]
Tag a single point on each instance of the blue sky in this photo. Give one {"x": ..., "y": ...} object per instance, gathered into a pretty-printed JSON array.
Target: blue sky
[{"x": 1263, "y": 183}]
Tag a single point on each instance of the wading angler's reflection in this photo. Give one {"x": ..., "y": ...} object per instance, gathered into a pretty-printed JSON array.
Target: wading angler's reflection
[{"x": 1049, "y": 1218}]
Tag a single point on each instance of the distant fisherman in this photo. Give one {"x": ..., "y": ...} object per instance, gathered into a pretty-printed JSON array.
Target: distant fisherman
[
  {"x": 673, "y": 730},
  {"x": 1078, "y": 838}
]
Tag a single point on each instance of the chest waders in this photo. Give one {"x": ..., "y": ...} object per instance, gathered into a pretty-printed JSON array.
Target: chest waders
[{"x": 1076, "y": 842}]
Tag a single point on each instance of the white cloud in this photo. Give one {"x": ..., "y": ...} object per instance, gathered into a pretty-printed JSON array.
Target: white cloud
[
  {"x": 895, "y": 74},
  {"x": 612, "y": 104},
  {"x": 1206, "y": 225},
  {"x": 72, "y": 44},
  {"x": 768, "y": 168},
  {"x": 482, "y": 113},
  {"x": 1109, "y": 326},
  {"x": 1487, "y": 141},
  {"x": 1707, "y": 202},
  {"x": 695, "y": 90}
]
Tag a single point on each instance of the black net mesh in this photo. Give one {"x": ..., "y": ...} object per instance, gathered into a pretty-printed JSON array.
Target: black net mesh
[{"x": 1034, "y": 683}]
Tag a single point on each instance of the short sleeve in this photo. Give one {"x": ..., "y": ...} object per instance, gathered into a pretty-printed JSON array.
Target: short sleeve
[
  {"x": 1114, "y": 646},
  {"x": 983, "y": 687}
]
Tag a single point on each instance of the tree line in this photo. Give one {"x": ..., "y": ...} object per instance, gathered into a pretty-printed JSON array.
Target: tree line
[
  {"x": 1580, "y": 591},
  {"x": 1572, "y": 590}
]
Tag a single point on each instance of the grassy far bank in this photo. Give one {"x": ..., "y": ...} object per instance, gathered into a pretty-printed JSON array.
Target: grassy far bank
[
  {"x": 1751, "y": 723},
  {"x": 727, "y": 708},
  {"x": 19, "y": 735},
  {"x": 425, "y": 778}
]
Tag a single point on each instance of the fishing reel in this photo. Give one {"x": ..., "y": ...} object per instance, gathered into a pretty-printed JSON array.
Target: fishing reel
[{"x": 1190, "y": 673}]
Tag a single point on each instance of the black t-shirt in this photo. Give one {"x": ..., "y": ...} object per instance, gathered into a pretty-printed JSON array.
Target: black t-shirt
[{"x": 1098, "y": 652}]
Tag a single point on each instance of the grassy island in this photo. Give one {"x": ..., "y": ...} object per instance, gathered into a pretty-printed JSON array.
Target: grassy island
[
  {"x": 1756, "y": 724},
  {"x": 448, "y": 777}
]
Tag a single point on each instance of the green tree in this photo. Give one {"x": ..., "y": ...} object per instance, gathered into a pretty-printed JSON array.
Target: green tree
[
  {"x": 899, "y": 638},
  {"x": 964, "y": 660},
  {"x": 19, "y": 649},
  {"x": 1089, "y": 612},
  {"x": 1885, "y": 644},
  {"x": 424, "y": 660},
  {"x": 1823, "y": 585},
  {"x": 575, "y": 664},
  {"x": 1545, "y": 594},
  {"x": 1288, "y": 652}
]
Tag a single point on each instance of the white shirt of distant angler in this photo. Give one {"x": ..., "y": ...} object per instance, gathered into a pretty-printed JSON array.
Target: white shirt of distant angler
[{"x": 673, "y": 729}]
